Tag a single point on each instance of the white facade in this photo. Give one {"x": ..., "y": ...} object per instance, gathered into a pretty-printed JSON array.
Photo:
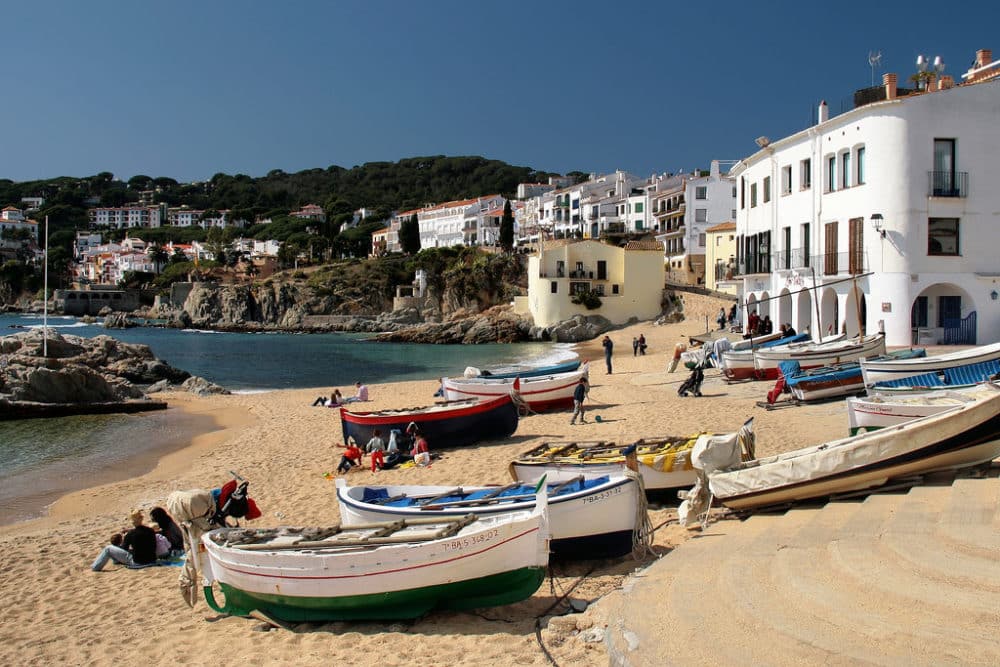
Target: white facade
[
  {"x": 883, "y": 217},
  {"x": 464, "y": 222},
  {"x": 126, "y": 217},
  {"x": 12, "y": 219}
]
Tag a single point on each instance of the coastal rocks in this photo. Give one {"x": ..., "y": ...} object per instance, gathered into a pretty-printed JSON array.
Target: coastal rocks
[
  {"x": 202, "y": 387},
  {"x": 77, "y": 370},
  {"x": 496, "y": 325},
  {"x": 578, "y": 328},
  {"x": 119, "y": 320}
]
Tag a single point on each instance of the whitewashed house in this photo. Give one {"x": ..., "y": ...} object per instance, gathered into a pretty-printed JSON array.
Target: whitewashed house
[
  {"x": 884, "y": 217},
  {"x": 126, "y": 217}
]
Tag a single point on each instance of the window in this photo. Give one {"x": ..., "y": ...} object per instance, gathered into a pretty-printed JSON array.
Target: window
[
  {"x": 638, "y": 207},
  {"x": 845, "y": 169},
  {"x": 701, "y": 192},
  {"x": 614, "y": 289},
  {"x": 943, "y": 177},
  {"x": 949, "y": 311},
  {"x": 786, "y": 180},
  {"x": 787, "y": 241},
  {"x": 701, "y": 240},
  {"x": 602, "y": 269},
  {"x": 767, "y": 189},
  {"x": 860, "y": 157},
  {"x": 734, "y": 195},
  {"x": 575, "y": 204},
  {"x": 805, "y": 174},
  {"x": 831, "y": 173},
  {"x": 753, "y": 195},
  {"x": 942, "y": 236},
  {"x": 830, "y": 264},
  {"x": 743, "y": 193},
  {"x": 554, "y": 287},
  {"x": 805, "y": 244},
  {"x": 700, "y": 214},
  {"x": 734, "y": 214},
  {"x": 593, "y": 212}
]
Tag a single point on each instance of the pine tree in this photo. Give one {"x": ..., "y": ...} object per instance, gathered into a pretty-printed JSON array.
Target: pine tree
[
  {"x": 507, "y": 228},
  {"x": 409, "y": 235}
]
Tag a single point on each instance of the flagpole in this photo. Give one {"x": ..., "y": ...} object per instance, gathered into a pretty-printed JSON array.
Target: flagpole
[{"x": 45, "y": 295}]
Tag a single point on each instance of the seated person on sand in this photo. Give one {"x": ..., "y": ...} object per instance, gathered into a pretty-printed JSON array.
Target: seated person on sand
[
  {"x": 137, "y": 548},
  {"x": 336, "y": 398},
  {"x": 353, "y": 456},
  {"x": 393, "y": 457},
  {"x": 421, "y": 451},
  {"x": 361, "y": 394},
  {"x": 169, "y": 529}
]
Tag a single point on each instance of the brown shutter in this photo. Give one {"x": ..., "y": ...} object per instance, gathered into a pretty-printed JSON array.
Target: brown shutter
[
  {"x": 830, "y": 267},
  {"x": 856, "y": 256}
]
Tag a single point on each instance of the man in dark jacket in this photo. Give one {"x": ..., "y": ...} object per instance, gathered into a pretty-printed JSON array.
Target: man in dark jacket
[{"x": 138, "y": 549}]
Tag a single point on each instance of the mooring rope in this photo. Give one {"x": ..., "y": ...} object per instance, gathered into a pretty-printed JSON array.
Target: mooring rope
[
  {"x": 523, "y": 409},
  {"x": 642, "y": 533}
]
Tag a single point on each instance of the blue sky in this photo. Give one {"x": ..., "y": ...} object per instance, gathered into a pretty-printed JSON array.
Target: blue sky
[{"x": 188, "y": 89}]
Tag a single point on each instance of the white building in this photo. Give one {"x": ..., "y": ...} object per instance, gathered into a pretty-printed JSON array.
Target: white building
[
  {"x": 882, "y": 217},
  {"x": 126, "y": 217},
  {"x": 12, "y": 219},
  {"x": 463, "y": 222}
]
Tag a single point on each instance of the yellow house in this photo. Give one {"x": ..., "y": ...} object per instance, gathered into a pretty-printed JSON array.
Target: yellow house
[
  {"x": 628, "y": 281},
  {"x": 720, "y": 257}
]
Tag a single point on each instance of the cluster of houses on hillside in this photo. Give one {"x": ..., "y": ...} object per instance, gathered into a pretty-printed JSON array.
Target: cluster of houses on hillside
[{"x": 880, "y": 217}]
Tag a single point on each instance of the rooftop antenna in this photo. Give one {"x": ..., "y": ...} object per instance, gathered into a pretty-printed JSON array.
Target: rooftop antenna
[{"x": 874, "y": 61}]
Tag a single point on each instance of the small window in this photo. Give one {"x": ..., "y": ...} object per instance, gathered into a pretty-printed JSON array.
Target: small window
[
  {"x": 767, "y": 189},
  {"x": 700, "y": 214},
  {"x": 734, "y": 214},
  {"x": 701, "y": 240},
  {"x": 861, "y": 165},
  {"x": 638, "y": 207},
  {"x": 786, "y": 179},
  {"x": 614, "y": 289},
  {"x": 753, "y": 195},
  {"x": 845, "y": 169},
  {"x": 554, "y": 287},
  {"x": 942, "y": 236},
  {"x": 805, "y": 174},
  {"x": 831, "y": 173},
  {"x": 701, "y": 192},
  {"x": 743, "y": 193}
]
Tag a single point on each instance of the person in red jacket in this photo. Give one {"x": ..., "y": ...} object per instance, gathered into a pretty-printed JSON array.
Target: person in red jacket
[{"x": 352, "y": 457}]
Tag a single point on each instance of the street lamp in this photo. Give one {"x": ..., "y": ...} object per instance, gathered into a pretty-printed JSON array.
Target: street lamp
[{"x": 877, "y": 223}]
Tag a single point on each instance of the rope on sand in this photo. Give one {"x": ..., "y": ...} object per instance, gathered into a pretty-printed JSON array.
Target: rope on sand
[{"x": 642, "y": 534}]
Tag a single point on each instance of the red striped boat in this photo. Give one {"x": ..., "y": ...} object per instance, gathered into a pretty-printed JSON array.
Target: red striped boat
[{"x": 540, "y": 393}]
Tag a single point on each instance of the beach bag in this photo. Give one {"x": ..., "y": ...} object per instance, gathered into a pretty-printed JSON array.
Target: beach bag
[{"x": 162, "y": 546}]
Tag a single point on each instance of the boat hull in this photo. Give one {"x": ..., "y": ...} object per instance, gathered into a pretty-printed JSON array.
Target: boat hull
[
  {"x": 458, "y": 426},
  {"x": 540, "y": 393},
  {"x": 593, "y": 522},
  {"x": 884, "y": 410},
  {"x": 877, "y": 371},
  {"x": 527, "y": 372},
  {"x": 814, "y": 356},
  {"x": 967, "y": 436},
  {"x": 496, "y": 561},
  {"x": 652, "y": 479}
]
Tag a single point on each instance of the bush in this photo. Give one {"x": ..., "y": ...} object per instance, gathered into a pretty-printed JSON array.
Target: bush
[{"x": 589, "y": 299}]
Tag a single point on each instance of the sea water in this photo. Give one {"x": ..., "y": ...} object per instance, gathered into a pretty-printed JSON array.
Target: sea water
[{"x": 42, "y": 458}]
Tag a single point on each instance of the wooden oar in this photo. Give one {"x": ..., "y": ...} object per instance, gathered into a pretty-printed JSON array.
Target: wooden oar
[
  {"x": 386, "y": 501},
  {"x": 559, "y": 487},
  {"x": 457, "y": 491},
  {"x": 373, "y": 540},
  {"x": 475, "y": 501}
]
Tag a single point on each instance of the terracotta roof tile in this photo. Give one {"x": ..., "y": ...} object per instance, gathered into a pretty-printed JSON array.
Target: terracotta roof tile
[
  {"x": 722, "y": 227},
  {"x": 644, "y": 245}
]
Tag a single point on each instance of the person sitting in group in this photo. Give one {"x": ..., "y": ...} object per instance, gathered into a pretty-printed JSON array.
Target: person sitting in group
[
  {"x": 789, "y": 331},
  {"x": 376, "y": 447},
  {"x": 766, "y": 326},
  {"x": 360, "y": 394},
  {"x": 752, "y": 321},
  {"x": 353, "y": 456},
  {"x": 169, "y": 529},
  {"x": 335, "y": 400},
  {"x": 421, "y": 452},
  {"x": 137, "y": 548},
  {"x": 393, "y": 457}
]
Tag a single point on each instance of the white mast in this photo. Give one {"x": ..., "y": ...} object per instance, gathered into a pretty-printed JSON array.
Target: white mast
[{"x": 45, "y": 295}]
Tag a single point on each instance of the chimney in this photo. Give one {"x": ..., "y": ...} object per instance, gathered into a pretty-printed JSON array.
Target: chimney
[
  {"x": 889, "y": 81},
  {"x": 946, "y": 81},
  {"x": 824, "y": 112},
  {"x": 984, "y": 57}
]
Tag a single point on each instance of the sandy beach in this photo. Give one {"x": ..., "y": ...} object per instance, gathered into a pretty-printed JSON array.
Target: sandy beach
[{"x": 58, "y": 611}]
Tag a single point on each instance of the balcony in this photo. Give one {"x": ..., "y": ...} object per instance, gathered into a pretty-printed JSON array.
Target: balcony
[
  {"x": 947, "y": 183},
  {"x": 827, "y": 264}
]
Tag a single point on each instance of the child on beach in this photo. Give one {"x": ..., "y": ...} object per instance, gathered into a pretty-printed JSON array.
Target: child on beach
[
  {"x": 353, "y": 456},
  {"x": 376, "y": 447}
]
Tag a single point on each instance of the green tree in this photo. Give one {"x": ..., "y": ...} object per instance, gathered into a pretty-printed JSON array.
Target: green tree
[
  {"x": 507, "y": 228},
  {"x": 409, "y": 235},
  {"x": 158, "y": 256},
  {"x": 178, "y": 257}
]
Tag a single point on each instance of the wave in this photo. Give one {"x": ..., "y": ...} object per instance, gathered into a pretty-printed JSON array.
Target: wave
[
  {"x": 253, "y": 391},
  {"x": 75, "y": 325},
  {"x": 203, "y": 331}
]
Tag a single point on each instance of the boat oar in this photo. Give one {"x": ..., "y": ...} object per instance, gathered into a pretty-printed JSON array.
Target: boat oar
[
  {"x": 457, "y": 491},
  {"x": 559, "y": 487}
]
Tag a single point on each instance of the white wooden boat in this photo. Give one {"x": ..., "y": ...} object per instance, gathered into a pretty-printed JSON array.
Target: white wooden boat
[
  {"x": 871, "y": 413},
  {"x": 738, "y": 362},
  {"x": 588, "y": 517},
  {"x": 664, "y": 463},
  {"x": 887, "y": 373},
  {"x": 967, "y": 435},
  {"x": 540, "y": 393},
  {"x": 811, "y": 355},
  {"x": 378, "y": 571}
]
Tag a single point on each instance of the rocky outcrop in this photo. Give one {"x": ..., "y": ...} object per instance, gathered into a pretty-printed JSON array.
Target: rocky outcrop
[
  {"x": 496, "y": 325},
  {"x": 202, "y": 387},
  {"x": 574, "y": 330},
  {"x": 77, "y": 370}
]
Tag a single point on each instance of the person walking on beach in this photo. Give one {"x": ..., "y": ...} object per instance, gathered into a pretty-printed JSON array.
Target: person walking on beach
[
  {"x": 635, "y": 346},
  {"x": 608, "y": 347},
  {"x": 642, "y": 345},
  {"x": 721, "y": 319},
  {"x": 579, "y": 394},
  {"x": 137, "y": 549}
]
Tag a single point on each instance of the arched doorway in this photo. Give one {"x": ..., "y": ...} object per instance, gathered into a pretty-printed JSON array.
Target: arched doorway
[
  {"x": 784, "y": 308},
  {"x": 829, "y": 313},
  {"x": 943, "y": 314},
  {"x": 750, "y": 307},
  {"x": 855, "y": 317},
  {"x": 765, "y": 305},
  {"x": 803, "y": 311}
]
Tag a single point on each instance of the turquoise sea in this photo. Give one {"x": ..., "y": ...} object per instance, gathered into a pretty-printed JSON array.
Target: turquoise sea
[{"x": 41, "y": 459}]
